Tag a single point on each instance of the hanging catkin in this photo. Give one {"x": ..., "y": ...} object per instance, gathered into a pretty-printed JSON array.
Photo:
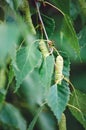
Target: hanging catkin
[
  {"x": 43, "y": 48},
  {"x": 62, "y": 123},
  {"x": 58, "y": 69},
  {"x": 27, "y": 16}
]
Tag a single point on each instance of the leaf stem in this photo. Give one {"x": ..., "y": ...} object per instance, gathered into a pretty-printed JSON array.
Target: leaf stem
[
  {"x": 32, "y": 124},
  {"x": 40, "y": 18},
  {"x": 54, "y": 7},
  {"x": 74, "y": 108},
  {"x": 73, "y": 89},
  {"x": 78, "y": 109}
]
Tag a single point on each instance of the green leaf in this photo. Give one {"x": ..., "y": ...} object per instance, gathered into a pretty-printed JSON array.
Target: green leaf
[
  {"x": 37, "y": 83},
  {"x": 67, "y": 31},
  {"x": 11, "y": 117},
  {"x": 32, "y": 90},
  {"x": 77, "y": 100},
  {"x": 82, "y": 42},
  {"x": 59, "y": 94},
  {"x": 27, "y": 59},
  {"x": 57, "y": 99},
  {"x": 69, "y": 35},
  {"x": 9, "y": 36},
  {"x": 46, "y": 72}
]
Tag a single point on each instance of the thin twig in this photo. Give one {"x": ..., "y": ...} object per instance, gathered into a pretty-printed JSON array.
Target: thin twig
[
  {"x": 54, "y": 7},
  {"x": 56, "y": 50},
  {"x": 74, "y": 108},
  {"x": 41, "y": 21}
]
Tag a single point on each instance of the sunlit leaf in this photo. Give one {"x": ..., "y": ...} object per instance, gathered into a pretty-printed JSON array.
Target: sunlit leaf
[
  {"x": 26, "y": 60},
  {"x": 32, "y": 90},
  {"x": 37, "y": 83}
]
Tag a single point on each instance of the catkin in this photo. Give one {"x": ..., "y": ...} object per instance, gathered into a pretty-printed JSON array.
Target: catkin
[
  {"x": 62, "y": 123},
  {"x": 27, "y": 16},
  {"x": 58, "y": 69},
  {"x": 43, "y": 48},
  {"x": 2, "y": 78}
]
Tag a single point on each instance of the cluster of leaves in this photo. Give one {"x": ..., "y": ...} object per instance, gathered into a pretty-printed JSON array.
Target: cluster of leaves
[{"x": 27, "y": 79}]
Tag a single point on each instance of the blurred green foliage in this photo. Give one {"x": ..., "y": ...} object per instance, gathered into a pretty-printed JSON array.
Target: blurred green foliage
[{"x": 29, "y": 97}]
